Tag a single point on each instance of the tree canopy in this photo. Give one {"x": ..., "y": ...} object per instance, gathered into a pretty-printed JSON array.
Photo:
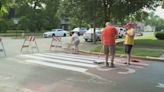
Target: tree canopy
[
  {"x": 105, "y": 10},
  {"x": 35, "y": 15}
]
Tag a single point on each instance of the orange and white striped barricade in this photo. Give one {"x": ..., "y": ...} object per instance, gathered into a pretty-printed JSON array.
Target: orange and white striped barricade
[
  {"x": 56, "y": 42},
  {"x": 2, "y": 47},
  {"x": 30, "y": 43}
]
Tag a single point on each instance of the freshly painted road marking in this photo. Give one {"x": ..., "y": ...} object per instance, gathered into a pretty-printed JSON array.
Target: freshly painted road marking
[
  {"x": 72, "y": 56},
  {"x": 104, "y": 69},
  {"x": 61, "y": 61},
  {"x": 64, "y": 58},
  {"x": 81, "y": 56},
  {"x": 160, "y": 85},
  {"x": 72, "y": 68},
  {"x": 128, "y": 72}
]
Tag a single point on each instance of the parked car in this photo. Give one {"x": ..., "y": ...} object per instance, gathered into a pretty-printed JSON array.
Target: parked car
[
  {"x": 78, "y": 30},
  {"x": 121, "y": 32},
  {"x": 55, "y": 32},
  {"x": 88, "y": 35}
]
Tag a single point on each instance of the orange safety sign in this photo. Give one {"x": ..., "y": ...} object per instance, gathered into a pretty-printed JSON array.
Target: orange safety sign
[
  {"x": 2, "y": 49},
  {"x": 56, "y": 42},
  {"x": 30, "y": 43}
]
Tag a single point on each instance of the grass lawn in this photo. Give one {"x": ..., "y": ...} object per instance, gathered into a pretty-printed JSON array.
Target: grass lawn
[
  {"x": 147, "y": 42},
  {"x": 144, "y": 46},
  {"x": 135, "y": 51}
]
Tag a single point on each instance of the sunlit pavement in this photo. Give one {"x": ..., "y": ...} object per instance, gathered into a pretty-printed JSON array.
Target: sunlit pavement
[
  {"x": 60, "y": 72},
  {"x": 49, "y": 71}
]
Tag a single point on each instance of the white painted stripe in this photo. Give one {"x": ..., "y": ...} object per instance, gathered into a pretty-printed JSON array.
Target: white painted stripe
[
  {"x": 128, "y": 72},
  {"x": 160, "y": 85},
  {"x": 77, "y": 69},
  {"x": 65, "y": 58},
  {"x": 74, "y": 56},
  {"x": 61, "y": 61}
]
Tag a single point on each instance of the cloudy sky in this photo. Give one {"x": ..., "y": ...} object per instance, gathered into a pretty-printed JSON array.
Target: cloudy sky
[{"x": 160, "y": 12}]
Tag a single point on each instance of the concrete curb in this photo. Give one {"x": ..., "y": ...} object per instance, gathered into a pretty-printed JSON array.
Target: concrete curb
[{"x": 122, "y": 55}]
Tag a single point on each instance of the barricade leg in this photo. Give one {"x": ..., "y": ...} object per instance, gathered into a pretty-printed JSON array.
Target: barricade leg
[
  {"x": 23, "y": 45},
  {"x": 3, "y": 48},
  {"x": 56, "y": 43},
  {"x": 51, "y": 44},
  {"x": 36, "y": 46}
]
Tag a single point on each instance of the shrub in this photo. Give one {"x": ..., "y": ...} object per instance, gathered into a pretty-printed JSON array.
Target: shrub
[
  {"x": 3, "y": 25},
  {"x": 160, "y": 35}
]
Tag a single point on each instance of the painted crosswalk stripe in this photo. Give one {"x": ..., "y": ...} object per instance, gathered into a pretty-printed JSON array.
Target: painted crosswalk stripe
[
  {"x": 128, "y": 72},
  {"x": 90, "y": 57},
  {"x": 72, "y": 68},
  {"x": 61, "y": 61},
  {"x": 65, "y": 58},
  {"x": 75, "y": 57}
]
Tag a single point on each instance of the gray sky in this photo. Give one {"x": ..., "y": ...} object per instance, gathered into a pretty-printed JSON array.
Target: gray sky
[{"x": 160, "y": 12}]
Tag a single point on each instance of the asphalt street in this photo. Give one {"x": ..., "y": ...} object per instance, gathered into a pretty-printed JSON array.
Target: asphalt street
[{"x": 58, "y": 71}]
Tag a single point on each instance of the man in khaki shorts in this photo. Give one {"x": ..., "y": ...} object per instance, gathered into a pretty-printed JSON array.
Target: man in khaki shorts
[{"x": 109, "y": 34}]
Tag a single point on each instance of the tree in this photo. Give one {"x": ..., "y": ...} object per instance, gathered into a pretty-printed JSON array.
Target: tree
[
  {"x": 155, "y": 20},
  {"x": 97, "y": 12},
  {"x": 107, "y": 9},
  {"x": 41, "y": 14}
]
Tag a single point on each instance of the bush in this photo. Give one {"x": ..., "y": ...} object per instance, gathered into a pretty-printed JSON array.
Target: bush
[
  {"x": 3, "y": 25},
  {"x": 160, "y": 35}
]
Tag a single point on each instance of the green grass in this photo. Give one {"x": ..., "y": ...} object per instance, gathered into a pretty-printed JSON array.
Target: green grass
[
  {"x": 147, "y": 42},
  {"x": 144, "y": 46},
  {"x": 147, "y": 37},
  {"x": 140, "y": 52},
  {"x": 135, "y": 51}
]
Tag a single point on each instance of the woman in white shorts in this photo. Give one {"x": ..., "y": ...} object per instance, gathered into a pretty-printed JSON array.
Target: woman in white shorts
[{"x": 75, "y": 40}]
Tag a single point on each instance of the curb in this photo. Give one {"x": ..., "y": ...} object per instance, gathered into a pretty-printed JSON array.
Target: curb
[{"x": 122, "y": 55}]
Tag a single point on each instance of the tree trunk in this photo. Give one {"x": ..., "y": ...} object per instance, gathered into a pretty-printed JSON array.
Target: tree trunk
[
  {"x": 0, "y": 5},
  {"x": 107, "y": 10},
  {"x": 94, "y": 23}
]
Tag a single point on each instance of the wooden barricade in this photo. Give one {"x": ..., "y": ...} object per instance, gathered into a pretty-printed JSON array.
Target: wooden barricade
[
  {"x": 30, "y": 43},
  {"x": 56, "y": 42}
]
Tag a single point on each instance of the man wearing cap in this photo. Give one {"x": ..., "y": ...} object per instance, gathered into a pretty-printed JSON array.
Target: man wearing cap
[
  {"x": 108, "y": 41},
  {"x": 129, "y": 41}
]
